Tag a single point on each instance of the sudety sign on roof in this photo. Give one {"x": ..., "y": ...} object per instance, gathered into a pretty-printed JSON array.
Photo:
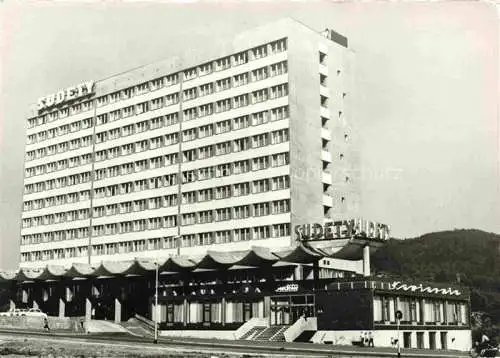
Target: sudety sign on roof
[{"x": 68, "y": 94}]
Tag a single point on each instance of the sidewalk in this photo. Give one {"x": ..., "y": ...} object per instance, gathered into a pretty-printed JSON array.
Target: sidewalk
[{"x": 315, "y": 348}]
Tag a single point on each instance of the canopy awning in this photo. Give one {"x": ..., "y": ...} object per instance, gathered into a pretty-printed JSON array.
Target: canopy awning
[
  {"x": 178, "y": 264},
  {"x": 28, "y": 274},
  {"x": 220, "y": 259},
  {"x": 141, "y": 267},
  {"x": 7, "y": 276},
  {"x": 300, "y": 254},
  {"x": 256, "y": 257},
  {"x": 112, "y": 268},
  {"x": 52, "y": 272},
  {"x": 353, "y": 249},
  {"x": 79, "y": 270}
]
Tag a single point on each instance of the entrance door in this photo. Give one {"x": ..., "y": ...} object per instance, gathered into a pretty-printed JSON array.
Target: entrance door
[
  {"x": 286, "y": 310},
  {"x": 407, "y": 339},
  {"x": 170, "y": 313},
  {"x": 444, "y": 340},
  {"x": 420, "y": 340},
  {"x": 280, "y": 310},
  {"x": 296, "y": 312},
  {"x": 247, "y": 311},
  {"x": 432, "y": 340},
  {"x": 280, "y": 315},
  {"x": 275, "y": 316},
  {"x": 207, "y": 313}
]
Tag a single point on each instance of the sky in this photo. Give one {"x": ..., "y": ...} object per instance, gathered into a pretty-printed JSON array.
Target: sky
[{"x": 426, "y": 91}]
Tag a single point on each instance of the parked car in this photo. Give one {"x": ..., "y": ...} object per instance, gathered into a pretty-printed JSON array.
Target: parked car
[
  {"x": 35, "y": 312},
  {"x": 18, "y": 312},
  {"x": 5, "y": 314},
  {"x": 14, "y": 312}
]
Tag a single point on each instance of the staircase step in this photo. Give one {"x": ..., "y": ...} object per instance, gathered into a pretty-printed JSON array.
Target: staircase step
[
  {"x": 273, "y": 333},
  {"x": 253, "y": 332},
  {"x": 279, "y": 336}
]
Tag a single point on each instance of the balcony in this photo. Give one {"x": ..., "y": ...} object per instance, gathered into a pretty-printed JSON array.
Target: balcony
[
  {"x": 326, "y": 178},
  {"x": 324, "y": 112},
  {"x": 324, "y": 91},
  {"x": 326, "y": 156},
  {"x": 327, "y": 200},
  {"x": 323, "y": 69},
  {"x": 325, "y": 134}
]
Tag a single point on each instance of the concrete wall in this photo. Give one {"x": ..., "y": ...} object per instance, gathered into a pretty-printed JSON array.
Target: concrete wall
[
  {"x": 461, "y": 342},
  {"x": 344, "y": 310},
  {"x": 305, "y": 127},
  {"x": 37, "y": 323},
  {"x": 345, "y": 153},
  {"x": 199, "y": 334},
  {"x": 99, "y": 326}
]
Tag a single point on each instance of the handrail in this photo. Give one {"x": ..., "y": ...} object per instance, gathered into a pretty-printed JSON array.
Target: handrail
[
  {"x": 144, "y": 320},
  {"x": 299, "y": 326}
]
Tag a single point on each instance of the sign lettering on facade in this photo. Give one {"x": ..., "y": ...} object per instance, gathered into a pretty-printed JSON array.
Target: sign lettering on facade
[
  {"x": 68, "y": 94},
  {"x": 342, "y": 230},
  {"x": 291, "y": 287},
  {"x": 399, "y": 286}
]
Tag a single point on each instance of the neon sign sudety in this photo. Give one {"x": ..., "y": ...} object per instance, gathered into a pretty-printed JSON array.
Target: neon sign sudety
[
  {"x": 398, "y": 286},
  {"x": 342, "y": 230},
  {"x": 68, "y": 94}
]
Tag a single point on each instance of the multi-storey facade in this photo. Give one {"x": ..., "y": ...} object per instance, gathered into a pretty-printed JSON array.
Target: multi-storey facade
[{"x": 224, "y": 148}]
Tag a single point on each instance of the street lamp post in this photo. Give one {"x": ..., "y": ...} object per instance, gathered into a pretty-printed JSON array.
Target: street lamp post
[
  {"x": 399, "y": 345},
  {"x": 399, "y": 315},
  {"x": 156, "y": 302}
]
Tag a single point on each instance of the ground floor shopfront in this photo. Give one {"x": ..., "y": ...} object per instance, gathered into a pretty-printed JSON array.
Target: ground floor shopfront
[
  {"x": 233, "y": 310},
  {"x": 344, "y": 311}
]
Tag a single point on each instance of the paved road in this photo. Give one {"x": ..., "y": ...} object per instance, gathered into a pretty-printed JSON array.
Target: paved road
[{"x": 213, "y": 347}]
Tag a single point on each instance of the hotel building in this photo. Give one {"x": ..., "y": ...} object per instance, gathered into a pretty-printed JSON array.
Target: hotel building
[
  {"x": 210, "y": 195},
  {"x": 222, "y": 148}
]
